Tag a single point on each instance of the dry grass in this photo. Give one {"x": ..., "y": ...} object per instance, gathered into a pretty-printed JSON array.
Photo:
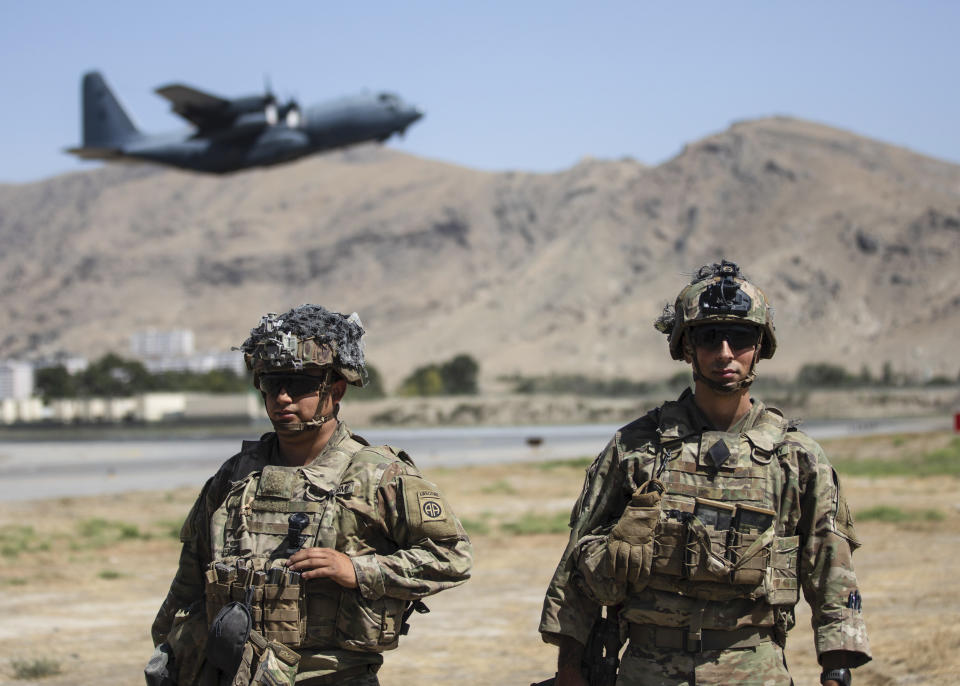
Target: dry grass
[{"x": 86, "y": 602}]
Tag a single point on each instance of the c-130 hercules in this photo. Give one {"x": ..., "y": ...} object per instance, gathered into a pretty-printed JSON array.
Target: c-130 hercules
[{"x": 233, "y": 134}]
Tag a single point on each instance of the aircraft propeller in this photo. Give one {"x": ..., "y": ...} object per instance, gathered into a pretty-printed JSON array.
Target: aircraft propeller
[{"x": 289, "y": 112}]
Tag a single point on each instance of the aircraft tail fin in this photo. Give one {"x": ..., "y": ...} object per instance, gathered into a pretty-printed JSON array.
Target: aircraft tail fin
[{"x": 105, "y": 123}]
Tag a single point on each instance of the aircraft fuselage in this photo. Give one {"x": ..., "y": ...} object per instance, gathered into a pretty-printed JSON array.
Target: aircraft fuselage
[{"x": 255, "y": 133}]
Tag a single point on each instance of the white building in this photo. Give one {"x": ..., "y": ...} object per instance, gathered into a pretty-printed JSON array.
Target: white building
[
  {"x": 173, "y": 351},
  {"x": 16, "y": 380},
  {"x": 199, "y": 362},
  {"x": 154, "y": 343}
]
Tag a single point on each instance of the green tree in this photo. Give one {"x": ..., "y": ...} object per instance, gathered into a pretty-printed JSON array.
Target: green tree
[
  {"x": 459, "y": 375},
  {"x": 426, "y": 380},
  {"x": 823, "y": 375},
  {"x": 888, "y": 377},
  {"x": 113, "y": 376},
  {"x": 55, "y": 382}
]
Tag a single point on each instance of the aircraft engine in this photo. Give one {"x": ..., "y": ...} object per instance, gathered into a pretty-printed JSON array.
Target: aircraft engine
[
  {"x": 294, "y": 117},
  {"x": 270, "y": 114},
  {"x": 249, "y": 124}
]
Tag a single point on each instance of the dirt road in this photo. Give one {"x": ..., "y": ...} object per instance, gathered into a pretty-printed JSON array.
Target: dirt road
[{"x": 80, "y": 579}]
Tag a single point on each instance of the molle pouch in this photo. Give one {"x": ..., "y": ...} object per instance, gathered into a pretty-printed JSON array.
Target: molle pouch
[
  {"x": 427, "y": 513},
  {"x": 748, "y": 547},
  {"x": 668, "y": 547},
  {"x": 780, "y": 583},
  {"x": 282, "y": 608},
  {"x": 704, "y": 550},
  {"x": 243, "y": 589},
  {"x": 368, "y": 625},
  {"x": 277, "y": 666},
  {"x": 220, "y": 576}
]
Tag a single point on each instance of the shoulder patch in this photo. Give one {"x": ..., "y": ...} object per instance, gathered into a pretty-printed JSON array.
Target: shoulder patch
[{"x": 426, "y": 510}]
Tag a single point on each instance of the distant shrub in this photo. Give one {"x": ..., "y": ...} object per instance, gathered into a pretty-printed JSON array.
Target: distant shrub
[
  {"x": 475, "y": 527},
  {"x": 457, "y": 376},
  {"x": 114, "y": 376},
  {"x": 537, "y": 523},
  {"x": 823, "y": 375},
  {"x": 35, "y": 669},
  {"x": 581, "y": 384},
  {"x": 942, "y": 462},
  {"x": 97, "y": 532},
  {"x": 894, "y": 515}
]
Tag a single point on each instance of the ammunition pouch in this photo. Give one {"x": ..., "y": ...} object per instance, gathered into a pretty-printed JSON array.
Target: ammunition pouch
[
  {"x": 265, "y": 663},
  {"x": 316, "y": 613},
  {"x": 760, "y": 564}
]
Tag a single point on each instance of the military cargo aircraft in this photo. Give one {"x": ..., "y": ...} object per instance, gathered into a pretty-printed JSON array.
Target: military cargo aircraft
[{"x": 237, "y": 133}]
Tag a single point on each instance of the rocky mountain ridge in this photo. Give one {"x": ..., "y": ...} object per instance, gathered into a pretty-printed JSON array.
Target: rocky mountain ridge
[{"x": 854, "y": 241}]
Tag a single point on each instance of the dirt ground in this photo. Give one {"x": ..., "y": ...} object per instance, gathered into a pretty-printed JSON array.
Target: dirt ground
[{"x": 81, "y": 579}]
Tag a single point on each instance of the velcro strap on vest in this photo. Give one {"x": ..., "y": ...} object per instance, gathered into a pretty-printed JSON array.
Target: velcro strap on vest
[
  {"x": 710, "y": 639},
  {"x": 277, "y": 528},
  {"x": 285, "y": 637},
  {"x": 716, "y": 493},
  {"x": 311, "y": 506}
]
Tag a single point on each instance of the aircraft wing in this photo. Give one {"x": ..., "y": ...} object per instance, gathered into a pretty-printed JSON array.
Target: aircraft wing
[{"x": 203, "y": 109}]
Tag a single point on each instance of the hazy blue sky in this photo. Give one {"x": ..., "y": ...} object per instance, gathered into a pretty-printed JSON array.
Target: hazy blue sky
[{"x": 506, "y": 85}]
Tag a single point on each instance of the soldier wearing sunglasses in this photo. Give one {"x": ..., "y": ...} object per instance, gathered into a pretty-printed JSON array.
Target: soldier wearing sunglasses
[
  {"x": 306, "y": 553},
  {"x": 702, "y": 522}
]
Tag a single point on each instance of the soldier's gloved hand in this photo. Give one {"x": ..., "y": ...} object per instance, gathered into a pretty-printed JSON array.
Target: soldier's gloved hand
[{"x": 630, "y": 547}]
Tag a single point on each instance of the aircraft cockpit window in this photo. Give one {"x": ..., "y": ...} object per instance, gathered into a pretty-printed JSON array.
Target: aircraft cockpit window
[{"x": 389, "y": 99}]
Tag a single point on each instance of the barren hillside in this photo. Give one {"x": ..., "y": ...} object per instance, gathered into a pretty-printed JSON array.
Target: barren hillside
[{"x": 854, "y": 241}]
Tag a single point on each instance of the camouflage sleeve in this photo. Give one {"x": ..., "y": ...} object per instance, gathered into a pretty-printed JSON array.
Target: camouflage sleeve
[
  {"x": 568, "y": 608},
  {"x": 187, "y": 586},
  {"x": 434, "y": 552},
  {"x": 826, "y": 569}
]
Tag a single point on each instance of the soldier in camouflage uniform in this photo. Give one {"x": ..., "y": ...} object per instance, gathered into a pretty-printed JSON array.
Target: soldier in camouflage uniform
[
  {"x": 702, "y": 521},
  {"x": 325, "y": 542}
]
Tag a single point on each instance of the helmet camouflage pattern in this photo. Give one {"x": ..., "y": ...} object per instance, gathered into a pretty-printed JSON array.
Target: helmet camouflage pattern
[
  {"x": 718, "y": 293},
  {"x": 305, "y": 337}
]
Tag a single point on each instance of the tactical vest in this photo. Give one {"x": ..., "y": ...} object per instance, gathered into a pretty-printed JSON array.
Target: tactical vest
[
  {"x": 249, "y": 543},
  {"x": 720, "y": 534}
]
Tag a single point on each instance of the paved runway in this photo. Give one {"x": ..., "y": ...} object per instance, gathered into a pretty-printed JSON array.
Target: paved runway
[{"x": 47, "y": 469}]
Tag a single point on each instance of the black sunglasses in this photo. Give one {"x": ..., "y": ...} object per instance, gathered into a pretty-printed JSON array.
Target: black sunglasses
[
  {"x": 711, "y": 337},
  {"x": 295, "y": 385}
]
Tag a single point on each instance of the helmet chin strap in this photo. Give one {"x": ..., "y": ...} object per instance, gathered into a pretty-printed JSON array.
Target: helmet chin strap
[
  {"x": 312, "y": 425},
  {"x": 725, "y": 388},
  {"x": 318, "y": 419}
]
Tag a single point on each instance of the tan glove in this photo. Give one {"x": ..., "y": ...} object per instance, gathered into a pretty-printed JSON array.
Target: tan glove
[{"x": 630, "y": 546}]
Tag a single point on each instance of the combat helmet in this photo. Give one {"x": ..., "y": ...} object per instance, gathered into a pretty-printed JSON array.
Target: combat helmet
[
  {"x": 719, "y": 293},
  {"x": 307, "y": 337}
]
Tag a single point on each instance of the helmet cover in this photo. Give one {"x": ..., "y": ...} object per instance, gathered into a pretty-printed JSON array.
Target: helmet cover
[
  {"x": 308, "y": 336},
  {"x": 718, "y": 293}
]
